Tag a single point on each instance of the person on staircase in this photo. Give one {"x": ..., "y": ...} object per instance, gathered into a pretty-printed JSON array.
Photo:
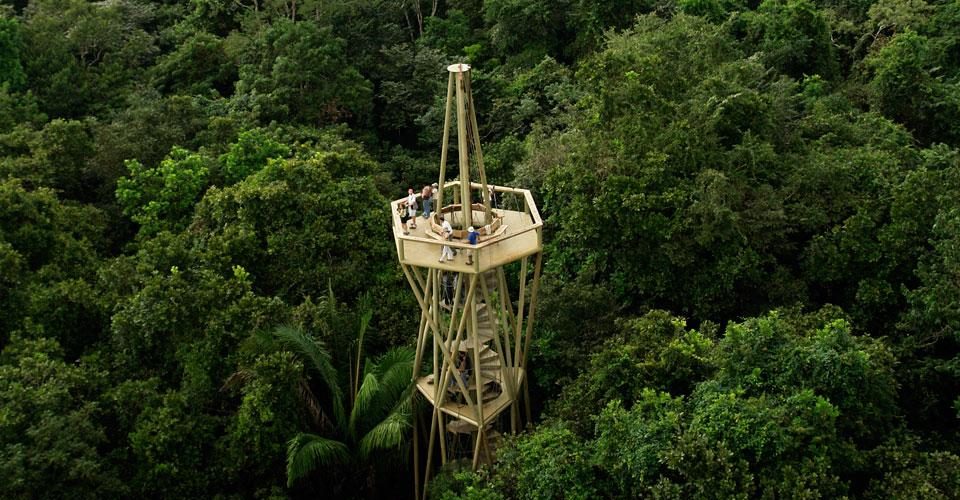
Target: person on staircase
[
  {"x": 447, "y": 280},
  {"x": 472, "y": 236},
  {"x": 462, "y": 370}
]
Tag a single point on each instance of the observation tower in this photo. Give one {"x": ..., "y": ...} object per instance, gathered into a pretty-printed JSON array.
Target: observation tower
[{"x": 476, "y": 310}]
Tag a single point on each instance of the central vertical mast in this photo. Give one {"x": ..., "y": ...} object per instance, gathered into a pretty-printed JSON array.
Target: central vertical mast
[
  {"x": 468, "y": 142},
  {"x": 462, "y": 75}
]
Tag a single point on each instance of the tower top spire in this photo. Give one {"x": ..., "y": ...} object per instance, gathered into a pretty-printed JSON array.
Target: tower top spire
[{"x": 468, "y": 145}]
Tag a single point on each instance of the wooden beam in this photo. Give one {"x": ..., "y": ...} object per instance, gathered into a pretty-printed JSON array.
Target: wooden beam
[
  {"x": 446, "y": 141},
  {"x": 417, "y": 294},
  {"x": 416, "y": 451},
  {"x": 421, "y": 336},
  {"x": 523, "y": 296},
  {"x": 533, "y": 309},
  {"x": 496, "y": 332},
  {"x": 507, "y": 305},
  {"x": 465, "y": 198},
  {"x": 529, "y": 333},
  {"x": 433, "y": 435},
  {"x": 443, "y": 439},
  {"x": 485, "y": 192}
]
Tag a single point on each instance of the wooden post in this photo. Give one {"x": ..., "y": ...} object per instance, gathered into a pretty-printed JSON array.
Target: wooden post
[
  {"x": 446, "y": 143},
  {"x": 518, "y": 339},
  {"x": 511, "y": 325},
  {"x": 443, "y": 439},
  {"x": 433, "y": 435},
  {"x": 526, "y": 340},
  {"x": 466, "y": 205},
  {"x": 476, "y": 144},
  {"x": 416, "y": 453},
  {"x": 421, "y": 337}
]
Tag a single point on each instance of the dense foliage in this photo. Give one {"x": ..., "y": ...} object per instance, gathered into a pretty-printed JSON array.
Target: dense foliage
[{"x": 752, "y": 281}]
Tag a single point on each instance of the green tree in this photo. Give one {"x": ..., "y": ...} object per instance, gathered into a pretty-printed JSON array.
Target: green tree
[
  {"x": 54, "y": 156},
  {"x": 253, "y": 149},
  {"x": 299, "y": 71},
  {"x": 50, "y": 437},
  {"x": 931, "y": 325},
  {"x": 655, "y": 352},
  {"x": 82, "y": 58},
  {"x": 11, "y": 69},
  {"x": 52, "y": 250},
  {"x": 374, "y": 416},
  {"x": 199, "y": 66},
  {"x": 300, "y": 224},
  {"x": 170, "y": 444},
  {"x": 550, "y": 463},
  {"x": 162, "y": 197},
  {"x": 793, "y": 36},
  {"x": 907, "y": 87}
]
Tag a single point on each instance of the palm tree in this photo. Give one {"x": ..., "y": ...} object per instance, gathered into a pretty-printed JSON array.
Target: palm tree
[
  {"x": 379, "y": 418},
  {"x": 376, "y": 412}
]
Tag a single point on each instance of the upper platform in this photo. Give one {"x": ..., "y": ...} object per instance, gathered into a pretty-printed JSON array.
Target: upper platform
[{"x": 518, "y": 233}]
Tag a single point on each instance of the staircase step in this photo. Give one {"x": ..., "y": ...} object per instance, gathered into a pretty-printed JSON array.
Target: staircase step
[
  {"x": 489, "y": 355},
  {"x": 493, "y": 364},
  {"x": 490, "y": 365},
  {"x": 487, "y": 377},
  {"x": 460, "y": 427},
  {"x": 490, "y": 394},
  {"x": 467, "y": 344}
]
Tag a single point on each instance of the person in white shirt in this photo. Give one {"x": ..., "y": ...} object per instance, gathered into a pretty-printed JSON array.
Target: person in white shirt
[
  {"x": 446, "y": 253},
  {"x": 412, "y": 208}
]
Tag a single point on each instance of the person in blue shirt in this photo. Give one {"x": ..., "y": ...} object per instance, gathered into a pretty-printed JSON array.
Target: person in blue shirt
[{"x": 472, "y": 236}]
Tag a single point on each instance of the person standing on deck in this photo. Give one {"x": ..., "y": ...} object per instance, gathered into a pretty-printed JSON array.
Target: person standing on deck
[
  {"x": 412, "y": 208},
  {"x": 404, "y": 213},
  {"x": 472, "y": 237},
  {"x": 427, "y": 195},
  {"x": 446, "y": 253}
]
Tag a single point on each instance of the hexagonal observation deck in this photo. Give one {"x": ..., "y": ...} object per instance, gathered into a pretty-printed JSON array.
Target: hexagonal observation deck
[{"x": 513, "y": 230}]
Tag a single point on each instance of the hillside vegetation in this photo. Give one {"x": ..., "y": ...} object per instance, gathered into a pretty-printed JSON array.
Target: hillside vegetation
[{"x": 752, "y": 263}]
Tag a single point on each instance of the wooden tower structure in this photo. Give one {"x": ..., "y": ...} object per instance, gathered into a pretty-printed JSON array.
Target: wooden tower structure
[{"x": 475, "y": 322}]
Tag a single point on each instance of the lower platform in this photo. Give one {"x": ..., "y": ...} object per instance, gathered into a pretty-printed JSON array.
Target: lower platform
[{"x": 467, "y": 413}]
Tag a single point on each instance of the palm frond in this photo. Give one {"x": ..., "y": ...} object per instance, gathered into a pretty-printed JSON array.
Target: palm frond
[
  {"x": 394, "y": 369},
  {"x": 328, "y": 310},
  {"x": 306, "y": 452},
  {"x": 259, "y": 342},
  {"x": 236, "y": 379},
  {"x": 389, "y": 433},
  {"x": 392, "y": 374},
  {"x": 366, "y": 397},
  {"x": 366, "y": 314},
  {"x": 365, "y": 306},
  {"x": 312, "y": 404},
  {"x": 314, "y": 352}
]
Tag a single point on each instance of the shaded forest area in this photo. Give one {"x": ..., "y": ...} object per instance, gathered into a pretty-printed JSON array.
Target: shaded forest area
[{"x": 752, "y": 281}]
